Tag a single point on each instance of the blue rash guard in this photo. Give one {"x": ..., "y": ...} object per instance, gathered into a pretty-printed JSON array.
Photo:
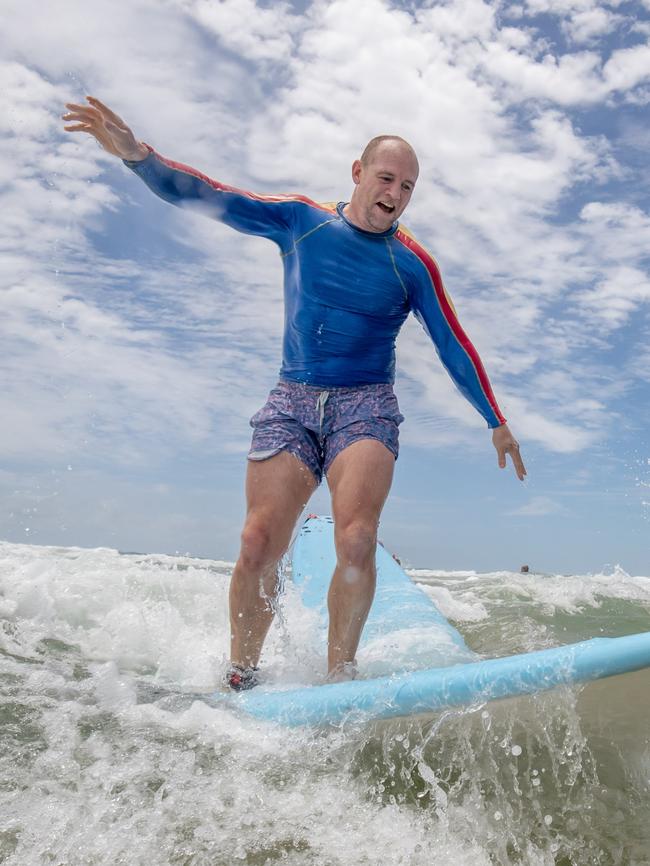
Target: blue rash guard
[{"x": 347, "y": 291}]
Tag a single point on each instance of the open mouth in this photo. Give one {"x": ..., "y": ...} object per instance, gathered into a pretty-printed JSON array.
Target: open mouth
[{"x": 386, "y": 208}]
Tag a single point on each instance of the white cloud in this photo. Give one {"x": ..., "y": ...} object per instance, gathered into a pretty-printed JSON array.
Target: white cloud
[
  {"x": 587, "y": 24},
  {"x": 581, "y": 20},
  {"x": 617, "y": 232},
  {"x": 539, "y": 506},
  {"x": 626, "y": 68},
  {"x": 612, "y": 301},
  {"x": 641, "y": 27},
  {"x": 536, "y": 69},
  {"x": 289, "y": 106},
  {"x": 267, "y": 34}
]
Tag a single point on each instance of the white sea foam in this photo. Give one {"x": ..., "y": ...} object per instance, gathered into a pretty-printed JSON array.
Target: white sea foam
[
  {"x": 459, "y": 609},
  {"x": 467, "y": 596},
  {"x": 93, "y": 775},
  {"x": 410, "y": 649}
]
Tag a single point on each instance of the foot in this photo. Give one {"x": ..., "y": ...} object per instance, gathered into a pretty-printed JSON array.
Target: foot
[
  {"x": 343, "y": 672},
  {"x": 241, "y": 679}
]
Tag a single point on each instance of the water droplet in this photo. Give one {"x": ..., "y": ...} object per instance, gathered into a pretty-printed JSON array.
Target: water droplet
[
  {"x": 516, "y": 750},
  {"x": 548, "y": 820},
  {"x": 351, "y": 574}
]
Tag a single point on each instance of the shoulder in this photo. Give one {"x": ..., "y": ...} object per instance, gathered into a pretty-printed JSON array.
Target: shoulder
[
  {"x": 310, "y": 216},
  {"x": 407, "y": 241},
  {"x": 294, "y": 198},
  {"x": 307, "y": 212},
  {"x": 326, "y": 206},
  {"x": 416, "y": 257},
  {"x": 424, "y": 267}
]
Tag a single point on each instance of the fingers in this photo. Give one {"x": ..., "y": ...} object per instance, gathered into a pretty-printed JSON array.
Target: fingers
[
  {"x": 76, "y": 106},
  {"x": 96, "y": 111},
  {"x": 520, "y": 469},
  {"x": 505, "y": 444},
  {"x": 82, "y": 109},
  {"x": 517, "y": 462},
  {"x": 83, "y": 114},
  {"x": 106, "y": 111}
]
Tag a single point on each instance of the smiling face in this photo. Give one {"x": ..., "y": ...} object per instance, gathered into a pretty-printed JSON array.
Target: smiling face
[{"x": 384, "y": 180}]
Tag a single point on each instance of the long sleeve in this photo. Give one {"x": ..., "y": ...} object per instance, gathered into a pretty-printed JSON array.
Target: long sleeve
[
  {"x": 268, "y": 216},
  {"x": 434, "y": 310}
]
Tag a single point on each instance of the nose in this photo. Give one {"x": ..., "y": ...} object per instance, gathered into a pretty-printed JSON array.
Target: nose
[{"x": 395, "y": 191}]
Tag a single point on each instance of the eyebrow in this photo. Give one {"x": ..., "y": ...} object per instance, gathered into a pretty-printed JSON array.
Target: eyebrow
[{"x": 392, "y": 174}]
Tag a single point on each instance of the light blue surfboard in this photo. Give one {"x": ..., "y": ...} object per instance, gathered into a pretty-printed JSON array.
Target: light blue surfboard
[{"x": 404, "y": 628}]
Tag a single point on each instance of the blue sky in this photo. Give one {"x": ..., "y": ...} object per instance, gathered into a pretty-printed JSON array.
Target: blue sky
[{"x": 138, "y": 338}]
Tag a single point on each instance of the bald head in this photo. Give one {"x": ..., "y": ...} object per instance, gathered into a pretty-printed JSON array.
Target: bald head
[{"x": 386, "y": 143}]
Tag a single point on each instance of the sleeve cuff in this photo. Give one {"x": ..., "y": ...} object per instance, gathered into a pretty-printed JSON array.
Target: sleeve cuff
[{"x": 133, "y": 163}]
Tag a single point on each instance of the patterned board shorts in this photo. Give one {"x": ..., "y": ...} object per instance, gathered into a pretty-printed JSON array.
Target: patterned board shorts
[{"x": 315, "y": 424}]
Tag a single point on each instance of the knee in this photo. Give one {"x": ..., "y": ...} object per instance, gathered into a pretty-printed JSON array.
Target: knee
[
  {"x": 356, "y": 544},
  {"x": 258, "y": 546}
]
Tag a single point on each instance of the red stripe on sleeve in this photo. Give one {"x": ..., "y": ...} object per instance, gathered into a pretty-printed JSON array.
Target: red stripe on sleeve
[
  {"x": 450, "y": 315},
  {"x": 222, "y": 187}
]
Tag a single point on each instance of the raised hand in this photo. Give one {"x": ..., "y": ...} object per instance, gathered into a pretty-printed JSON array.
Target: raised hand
[{"x": 106, "y": 127}]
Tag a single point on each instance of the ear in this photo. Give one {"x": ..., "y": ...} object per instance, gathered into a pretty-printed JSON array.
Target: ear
[{"x": 357, "y": 168}]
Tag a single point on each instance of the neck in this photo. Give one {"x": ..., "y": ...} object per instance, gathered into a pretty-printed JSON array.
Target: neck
[
  {"x": 354, "y": 214},
  {"x": 350, "y": 212}
]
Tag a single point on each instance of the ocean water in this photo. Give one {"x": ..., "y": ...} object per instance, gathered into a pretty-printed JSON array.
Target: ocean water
[{"x": 92, "y": 773}]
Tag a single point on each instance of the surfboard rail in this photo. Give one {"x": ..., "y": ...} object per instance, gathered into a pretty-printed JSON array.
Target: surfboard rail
[{"x": 460, "y": 685}]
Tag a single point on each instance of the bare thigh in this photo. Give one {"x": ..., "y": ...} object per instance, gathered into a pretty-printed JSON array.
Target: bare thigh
[
  {"x": 277, "y": 490},
  {"x": 359, "y": 480}
]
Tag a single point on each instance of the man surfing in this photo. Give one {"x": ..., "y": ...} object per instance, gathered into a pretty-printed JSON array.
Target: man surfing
[{"x": 352, "y": 275}]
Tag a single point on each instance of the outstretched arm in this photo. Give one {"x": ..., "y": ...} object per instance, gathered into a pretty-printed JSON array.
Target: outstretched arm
[{"x": 269, "y": 216}]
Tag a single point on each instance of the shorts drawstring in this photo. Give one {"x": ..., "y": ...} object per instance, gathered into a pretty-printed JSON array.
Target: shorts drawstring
[{"x": 320, "y": 405}]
